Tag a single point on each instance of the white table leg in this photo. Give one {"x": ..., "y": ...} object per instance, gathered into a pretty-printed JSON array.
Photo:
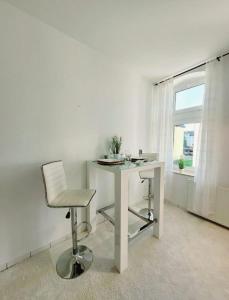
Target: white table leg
[
  {"x": 91, "y": 184},
  {"x": 121, "y": 221},
  {"x": 158, "y": 201}
]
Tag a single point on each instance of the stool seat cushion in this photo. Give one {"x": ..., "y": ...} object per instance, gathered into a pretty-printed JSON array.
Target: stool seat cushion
[
  {"x": 73, "y": 198},
  {"x": 147, "y": 174}
]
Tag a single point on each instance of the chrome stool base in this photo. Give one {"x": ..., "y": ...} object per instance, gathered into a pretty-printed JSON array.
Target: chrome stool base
[
  {"x": 70, "y": 266},
  {"x": 147, "y": 213}
]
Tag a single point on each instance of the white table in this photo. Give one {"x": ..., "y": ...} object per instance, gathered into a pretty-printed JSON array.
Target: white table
[{"x": 121, "y": 174}]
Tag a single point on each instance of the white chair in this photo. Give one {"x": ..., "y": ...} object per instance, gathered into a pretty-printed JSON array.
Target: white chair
[
  {"x": 148, "y": 175},
  {"x": 76, "y": 260}
]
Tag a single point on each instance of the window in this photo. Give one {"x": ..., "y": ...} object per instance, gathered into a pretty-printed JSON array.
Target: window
[
  {"x": 188, "y": 101},
  {"x": 185, "y": 143},
  {"x": 191, "y": 97}
]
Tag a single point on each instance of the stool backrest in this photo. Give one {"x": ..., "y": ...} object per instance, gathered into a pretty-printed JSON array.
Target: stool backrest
[
  {"x": 150, "y": 156},
  {"x": 54, "y": 180}
]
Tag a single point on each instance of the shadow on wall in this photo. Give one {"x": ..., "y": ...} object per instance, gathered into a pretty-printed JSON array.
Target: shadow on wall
[{"x": 25, "y": 222}]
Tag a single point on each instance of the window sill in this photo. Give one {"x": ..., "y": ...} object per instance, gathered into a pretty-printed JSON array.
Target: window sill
[{"x": 184, "y": 172}]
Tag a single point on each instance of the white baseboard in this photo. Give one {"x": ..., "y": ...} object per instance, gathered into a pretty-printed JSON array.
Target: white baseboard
[
  {"x": 17, "y": 260},
  {"x": 51, "y": 244},
  {"x": 38, "y": 250},
  {"x": 31, "y": 253},
  {"x": 3, "y": 267}
]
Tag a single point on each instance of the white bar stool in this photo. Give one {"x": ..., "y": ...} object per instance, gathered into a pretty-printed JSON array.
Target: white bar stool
[
  {"x": 148, "y": 175},
  {"x": 78, "y": 259}
]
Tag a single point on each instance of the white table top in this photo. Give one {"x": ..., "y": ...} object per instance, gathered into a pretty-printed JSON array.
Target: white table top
[{"x": 128, "y": 167}]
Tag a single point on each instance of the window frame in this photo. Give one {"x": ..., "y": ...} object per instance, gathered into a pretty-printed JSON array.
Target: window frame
[
  {"x": 189, "y": 109},
  {"x": 175, "y": 167},
  {"x": 188, "y": 115}
]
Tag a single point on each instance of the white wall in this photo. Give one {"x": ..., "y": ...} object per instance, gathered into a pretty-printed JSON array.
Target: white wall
[{"x": 59, "y": 100}]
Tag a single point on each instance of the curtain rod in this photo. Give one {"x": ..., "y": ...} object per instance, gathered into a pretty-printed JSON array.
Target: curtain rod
[{"x": 191, "y": 69}]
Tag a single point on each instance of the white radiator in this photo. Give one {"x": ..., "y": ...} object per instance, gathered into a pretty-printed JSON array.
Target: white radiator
[{"x": 221, "y": 215}]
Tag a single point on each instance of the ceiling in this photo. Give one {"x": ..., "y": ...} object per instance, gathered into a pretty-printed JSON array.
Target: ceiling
[{"x": 157, "y": 37}]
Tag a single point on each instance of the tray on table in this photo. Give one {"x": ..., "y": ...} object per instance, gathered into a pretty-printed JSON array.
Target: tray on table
[{"x": 110, "y": 162}]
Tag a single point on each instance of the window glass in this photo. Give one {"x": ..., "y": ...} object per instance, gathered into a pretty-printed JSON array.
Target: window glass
[
  {"x": 186, "y": 138},
  {"x": 190, "y": 97}
]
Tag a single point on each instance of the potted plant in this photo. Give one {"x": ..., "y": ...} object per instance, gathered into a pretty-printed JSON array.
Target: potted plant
[
  {"x": 181, "y": 163},
  {"x": 116, "y": 143}
]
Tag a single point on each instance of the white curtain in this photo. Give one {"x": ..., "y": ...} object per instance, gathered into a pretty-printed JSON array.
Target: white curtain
[
  {"x": 208, "y": 157},
  {"x": 162, "y": 126}
]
